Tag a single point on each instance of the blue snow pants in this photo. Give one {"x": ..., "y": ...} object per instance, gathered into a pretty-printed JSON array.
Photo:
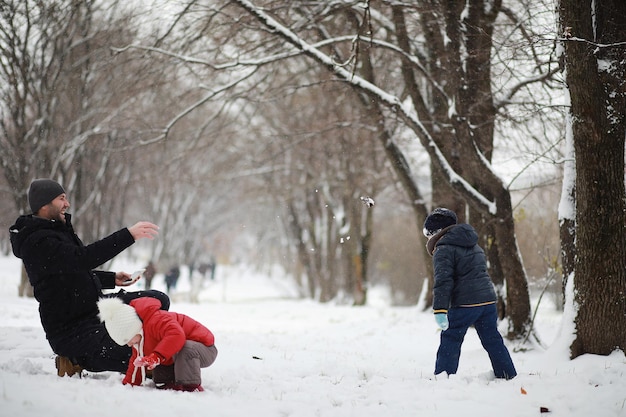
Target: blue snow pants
[{"x": 484, "y": 319}]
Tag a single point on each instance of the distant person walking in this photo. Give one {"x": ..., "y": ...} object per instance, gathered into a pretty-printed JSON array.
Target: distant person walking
[
  {"x": 171, "y": 278},
  {"x": 149, "y": 274}
]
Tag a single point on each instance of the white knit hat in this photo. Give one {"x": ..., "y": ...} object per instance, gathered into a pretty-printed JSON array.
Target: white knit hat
[{"x": 120, "y": 320}]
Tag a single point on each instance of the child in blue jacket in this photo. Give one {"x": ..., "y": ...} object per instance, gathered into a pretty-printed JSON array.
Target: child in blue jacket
[{"x": 464, "y": 295}]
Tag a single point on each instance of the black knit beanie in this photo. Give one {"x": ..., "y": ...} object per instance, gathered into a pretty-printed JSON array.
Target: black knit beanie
[
  {"x": 439, "y": 219},
  {"x": 42, "y": 192}
]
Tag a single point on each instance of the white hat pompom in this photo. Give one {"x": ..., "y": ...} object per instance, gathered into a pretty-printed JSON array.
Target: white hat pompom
[{"x": 120, "y": 320}]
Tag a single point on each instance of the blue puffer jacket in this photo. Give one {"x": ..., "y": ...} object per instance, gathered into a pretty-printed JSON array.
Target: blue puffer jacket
[{"x": 460, "y": 268}]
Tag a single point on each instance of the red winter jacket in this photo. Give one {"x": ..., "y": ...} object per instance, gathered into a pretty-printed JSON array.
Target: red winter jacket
[{"x": 164, "y": 333}]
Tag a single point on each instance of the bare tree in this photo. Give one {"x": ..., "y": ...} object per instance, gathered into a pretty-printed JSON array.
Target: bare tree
[
  {"x": 67, "y": 102},
  {"x": 593, "y": 36},
  {"x": 320, "y": 164},
  {"x": 436, "y": 79},
  {"x": 75, "y": 110},
  {"x": 55, "y": 99},
  {"x": 451, "y": 107}
]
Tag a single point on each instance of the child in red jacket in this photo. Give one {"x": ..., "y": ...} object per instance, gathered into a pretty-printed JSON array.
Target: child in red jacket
[{"x": 174, "y": 346}]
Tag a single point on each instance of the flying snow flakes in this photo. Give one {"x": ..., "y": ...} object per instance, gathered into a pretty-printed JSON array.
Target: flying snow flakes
[{"x": 368, "y": 201}]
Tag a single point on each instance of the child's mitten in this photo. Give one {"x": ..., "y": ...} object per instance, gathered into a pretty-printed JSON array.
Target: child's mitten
[
  {"x": 442, "y": 320},
  {"x": 151, "y": 361}
]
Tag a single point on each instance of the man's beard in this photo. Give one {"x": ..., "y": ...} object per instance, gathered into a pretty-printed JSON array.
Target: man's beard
[{"x": 59, "y": 215}]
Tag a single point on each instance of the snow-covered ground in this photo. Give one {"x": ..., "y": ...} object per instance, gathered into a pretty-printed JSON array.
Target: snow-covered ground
[{"x": 280, "y": 356}]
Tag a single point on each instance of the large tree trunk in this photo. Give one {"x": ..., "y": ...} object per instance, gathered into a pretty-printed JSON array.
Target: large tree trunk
[
  {"x": 595, "y": 77},
  {"x": 25, "y": 289},
  {"x": 517, "y": 296}
]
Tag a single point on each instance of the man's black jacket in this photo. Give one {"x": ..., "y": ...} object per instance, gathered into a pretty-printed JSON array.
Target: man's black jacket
[{"x": 60, "y": 269}]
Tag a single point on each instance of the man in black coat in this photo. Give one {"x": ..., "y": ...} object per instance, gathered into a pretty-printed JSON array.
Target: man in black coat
[{"x": 61, "y": 270}]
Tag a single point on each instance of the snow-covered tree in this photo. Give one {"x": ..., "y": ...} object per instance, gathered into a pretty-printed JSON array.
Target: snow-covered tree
[
  {"x": 425, "y": 64},
  {"x": 64, "y": 102},
  {"x": 440, "y": 88},
  {"x": 593, "y": 36},
  {"x": 58, "y": 103}
]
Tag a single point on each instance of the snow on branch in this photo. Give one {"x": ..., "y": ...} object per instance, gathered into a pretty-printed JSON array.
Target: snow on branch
[
  {"x": 569, "y": 38},
  {"x": 389, "y": 100}
]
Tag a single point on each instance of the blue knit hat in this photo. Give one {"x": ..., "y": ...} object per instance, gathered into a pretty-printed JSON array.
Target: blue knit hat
[{"x": 438, "y": 220}]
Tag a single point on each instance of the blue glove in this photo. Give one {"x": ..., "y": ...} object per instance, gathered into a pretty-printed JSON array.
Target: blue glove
[{"x": 442, "y": 321}]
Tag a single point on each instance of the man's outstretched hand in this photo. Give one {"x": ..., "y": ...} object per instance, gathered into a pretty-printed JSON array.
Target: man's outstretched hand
[{"x": 144, "y": 229}]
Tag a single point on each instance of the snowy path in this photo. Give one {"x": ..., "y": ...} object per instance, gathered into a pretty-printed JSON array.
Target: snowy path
[{"x": 279, "y": 356}]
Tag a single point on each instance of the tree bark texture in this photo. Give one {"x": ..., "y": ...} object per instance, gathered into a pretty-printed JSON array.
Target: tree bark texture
[{"x": 595, "y": 59}]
